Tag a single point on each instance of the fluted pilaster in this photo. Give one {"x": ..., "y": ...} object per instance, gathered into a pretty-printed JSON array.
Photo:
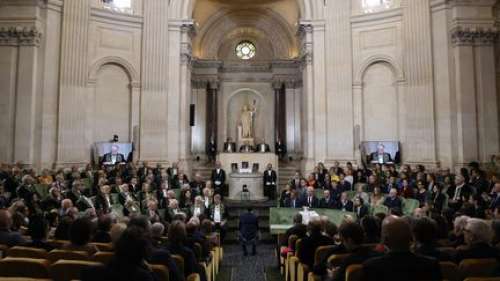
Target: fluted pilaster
[
  {"x": 154, "y": 140},
  {"x": 419, "y": 145},
  {"x": 339, "y": 94},
  {"x": 73, "y": 140}
]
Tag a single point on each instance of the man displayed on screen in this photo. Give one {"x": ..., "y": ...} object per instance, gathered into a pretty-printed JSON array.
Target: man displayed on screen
[
  {"x": 113, "y": 157},
  {"x": 380, "y": 156}
]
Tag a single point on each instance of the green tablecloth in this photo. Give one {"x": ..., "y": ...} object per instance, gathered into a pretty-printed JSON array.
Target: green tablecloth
[{"x": 280, "y": 219}]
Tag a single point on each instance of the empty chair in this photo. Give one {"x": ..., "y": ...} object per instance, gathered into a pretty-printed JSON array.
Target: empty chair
[
  {"x": 478, "y": 267},
  {"x": 24, "y": 267},
  {"x": 66, "y": 270},
  {"x": 27, "y": 252},
  {"x": 103, "y": 257},
  {"x": 160, "y": 272},
  {"x": 56, "y": 255}
]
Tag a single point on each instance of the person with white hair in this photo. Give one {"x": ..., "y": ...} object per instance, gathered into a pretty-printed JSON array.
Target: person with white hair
[
  {"x": 457, "y": 237},
  {"x": 478, "y": 235},
  {"x": 157, "y": 231}
]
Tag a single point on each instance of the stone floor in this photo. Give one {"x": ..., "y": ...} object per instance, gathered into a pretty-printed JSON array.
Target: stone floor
[{"x": 236, "y": 267}]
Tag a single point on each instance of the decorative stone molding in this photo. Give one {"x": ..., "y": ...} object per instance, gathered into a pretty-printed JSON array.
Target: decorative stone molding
[
  {"x": 469, "y": 36},
  {"x": 306, "y": 50},
  {"x": 20, "y": 36},
  {"x": 187, "y": 33}
]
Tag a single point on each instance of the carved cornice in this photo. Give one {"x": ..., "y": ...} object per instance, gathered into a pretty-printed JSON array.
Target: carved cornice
[
  {"x": 20, "y": 36},
  {"x": 469, "y": 37}
]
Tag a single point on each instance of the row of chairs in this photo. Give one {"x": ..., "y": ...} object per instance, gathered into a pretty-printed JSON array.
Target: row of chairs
[
  {"x": 66, "y": 265},
  {"x": 294, "y": 270}
]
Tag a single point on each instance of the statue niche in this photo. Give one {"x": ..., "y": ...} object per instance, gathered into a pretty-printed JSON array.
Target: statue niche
[{"x": 245, "y": 120}]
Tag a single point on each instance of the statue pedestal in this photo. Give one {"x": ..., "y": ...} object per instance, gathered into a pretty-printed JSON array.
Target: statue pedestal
[{"x": 254, "y": 186}]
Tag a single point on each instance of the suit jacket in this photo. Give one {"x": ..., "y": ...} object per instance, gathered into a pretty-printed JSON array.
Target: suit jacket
[
  {"x": 392, "y": 203},
  {"x": 248, "y": 226},
  {"x": 328, "y": 203},
  {"x": 358, "y": 256},
  {"x": 229, "y": 147},
  {"x": 289, "y": 203},
  {"x": 297, "y": 229},
  {"x": 101, "y": 203},
  {"x": 247, "y": 148},
  {"x": 262, "y": 147},
  {"x": 312, "y": 203},
  {"x": 348, "y": 206},
  {"x": 223, "y": 212},
  {"x": 361, "y": 211},
  {"x": 401, "y": 266},
  {"x": 309, "y": 246},
  {"x": 218, "y": 178},
  {"x": 270, "y": 179},
  {"x": 108, "y": 158},
  {"x": 386, "y": 157}
]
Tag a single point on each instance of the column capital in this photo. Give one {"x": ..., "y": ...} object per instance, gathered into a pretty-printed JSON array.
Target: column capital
[
  {"x": 20, "y": 36},
  {"x": 277, "y": 84},
  {"x": 213, "y": 84}
]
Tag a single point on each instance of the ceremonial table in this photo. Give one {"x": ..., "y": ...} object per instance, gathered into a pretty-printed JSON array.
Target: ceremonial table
[{"x": 281, "y": 219}]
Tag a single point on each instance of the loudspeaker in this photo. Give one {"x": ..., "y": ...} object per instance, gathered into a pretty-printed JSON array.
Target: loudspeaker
[{"x": 191, "y": 115}]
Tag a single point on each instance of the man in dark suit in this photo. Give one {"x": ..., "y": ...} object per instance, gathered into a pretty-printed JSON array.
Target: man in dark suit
[
  {"x": 327, "y": 202},
  {"x": 298, "y": 229},
  {"x": 380, "y": 156},
  {"x": 247, "y": 147},
  {"x": 393, "y": 201},
  {"x": 211, "y": 150},
  {"x": 262, "y": 147},
  {"x": 293, "y": 201},
  {"x": 352, "y": 237},
  {"x": 400, "y": 263},
  {"x": 248, "y": 230},
  {"x": 280, "y": 149},
  {"x": 344, "y": 203},
  {"x": 461, "y": 194},
  {"x": 310, "y": 200},
  {"x": 113, "y": 157},
  {"x": 312, "y": 242},
  {"x": 270, "y": 179},
  {"x": 218, "y": 178},
  {"x": 229, "y": 146}
]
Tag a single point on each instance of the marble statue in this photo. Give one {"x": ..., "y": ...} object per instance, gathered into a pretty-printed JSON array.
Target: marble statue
[{"x": 247, "y": 120}]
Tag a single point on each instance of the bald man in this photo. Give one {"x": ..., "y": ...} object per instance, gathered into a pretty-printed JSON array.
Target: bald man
[{"x": 399, "y": 263}]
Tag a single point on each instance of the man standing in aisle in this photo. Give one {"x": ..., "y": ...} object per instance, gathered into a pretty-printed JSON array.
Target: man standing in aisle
[
  {"x": 270, "y": 179},
  {"x": 248, "y": 228},
  {"x": 218, "y": 178}
]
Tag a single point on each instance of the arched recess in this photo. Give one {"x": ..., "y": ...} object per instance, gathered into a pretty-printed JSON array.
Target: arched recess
[
  {"x": 233, "y": 105},
  {"x": 116, "y": 96}
]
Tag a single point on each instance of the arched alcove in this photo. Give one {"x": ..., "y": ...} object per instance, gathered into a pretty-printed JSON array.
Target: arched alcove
[
  {"x": 380, "y": 103},
  {"x": 112, "y": 103}
]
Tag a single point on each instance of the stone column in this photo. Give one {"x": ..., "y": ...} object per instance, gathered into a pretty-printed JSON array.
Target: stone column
[
  {"x": 419, "y": 145},
  {"x": 486, "y": 94},
  {"x": 19, "y": 95},
  {"x": 154, "y": 134},
  {"x": 467, "y": 132},
  {"x": 308, "y": 135},
  {"x": 289, "y": 119},
  {"x": 212, "y": 88},
  {"x": 278, "y": 100},
  {"x": 74, "y": 145},
  {"x": 357, "y": 100},
  {"x": 187, "y": 31},
  {"x": 199, "y": 131}
]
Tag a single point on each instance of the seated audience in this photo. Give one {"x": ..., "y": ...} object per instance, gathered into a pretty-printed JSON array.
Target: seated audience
[
  {"x": 8, "y": 237},
  {"x": 400, "y": 263},
  {"x": 129, "y": 263},
  {"x": 103, "y": 227},
  {"x": 38, "y": 230},
  {"x": 312, "y": 241},
  {"x": 477, "y": 235},
  {"x": 393, "y": 201},
  {"x": 425, "y": 233},
  {"x": 79, "y": 237},
  {"x": 344, "y": 204},
  {"x": 352, "y": 237}
]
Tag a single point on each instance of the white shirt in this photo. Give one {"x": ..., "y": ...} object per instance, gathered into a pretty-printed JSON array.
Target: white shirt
[
  {"x": 197, "y": 211},
  {"x": 217, "y": 215}
]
